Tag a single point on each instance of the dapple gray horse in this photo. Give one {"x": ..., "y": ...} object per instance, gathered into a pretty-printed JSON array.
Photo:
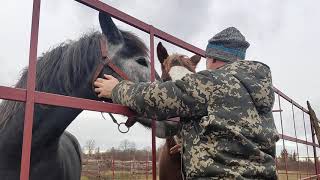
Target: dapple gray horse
[{"x": 68, "y": 69}]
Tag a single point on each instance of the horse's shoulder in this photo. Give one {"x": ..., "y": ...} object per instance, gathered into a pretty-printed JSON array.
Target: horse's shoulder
[{"x": 68, "y": 140}]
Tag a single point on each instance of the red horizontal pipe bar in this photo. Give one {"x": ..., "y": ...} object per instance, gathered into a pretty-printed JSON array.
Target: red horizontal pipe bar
[
  {"x": 15, "y": 94},
  {"x": 310, "y": 177},
  {"x": 290, "y": 100},
  {"x": 305, "y": 157},
  {"x": 178, "y": 42},
  {"x": 277, "y": 110},
  {"x": 100, "y": 6},
  {"x": 18, "y": 94},
  {"x": 292, "y": 173},
  {"x": 293, "y": 139},
  {"x": 80, "y": 103}
]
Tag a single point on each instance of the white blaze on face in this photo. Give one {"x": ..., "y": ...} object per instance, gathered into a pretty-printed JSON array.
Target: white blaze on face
[{"x": 178, "y": 72}]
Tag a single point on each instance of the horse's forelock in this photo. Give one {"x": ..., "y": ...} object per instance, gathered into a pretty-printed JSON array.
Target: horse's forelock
[{"x": 62, "y": 68}]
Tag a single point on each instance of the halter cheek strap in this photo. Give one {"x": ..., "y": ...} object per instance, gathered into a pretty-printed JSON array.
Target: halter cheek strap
[{"x": 106, "y": 61}]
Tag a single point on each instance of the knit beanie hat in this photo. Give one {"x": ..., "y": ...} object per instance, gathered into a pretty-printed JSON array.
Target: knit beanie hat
[{"x": 227, "y": 46}]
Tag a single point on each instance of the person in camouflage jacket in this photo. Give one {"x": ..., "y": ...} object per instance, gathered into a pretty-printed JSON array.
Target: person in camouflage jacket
[{"x": 228, "y": 129}]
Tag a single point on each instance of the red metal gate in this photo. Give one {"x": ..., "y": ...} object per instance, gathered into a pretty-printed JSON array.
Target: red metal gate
[
  {"x": 303, "y": 162},
  {"x": 30, "y": 97}
]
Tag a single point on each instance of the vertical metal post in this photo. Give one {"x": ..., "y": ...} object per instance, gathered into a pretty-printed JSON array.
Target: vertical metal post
[
  {"x": 295, "y": 133},
  {"x": 284, "y": 147},
  {"x": 154, "y": 150},
  {"x": 305, "y": 133},
  {"x": 147, "y": 165},
  {"x": 112, "y": 164},
  {"x": 314, "y": 148},
  {"x": 130, "y": 164},
  {"x": 29, "y": 107}
]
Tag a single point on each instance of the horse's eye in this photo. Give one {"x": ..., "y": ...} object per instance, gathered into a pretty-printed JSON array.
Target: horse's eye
[{"x": 142, "y": 62}]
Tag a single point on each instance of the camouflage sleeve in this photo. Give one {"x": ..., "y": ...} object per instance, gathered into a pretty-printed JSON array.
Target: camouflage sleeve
[{"x": 161, "y": 100}]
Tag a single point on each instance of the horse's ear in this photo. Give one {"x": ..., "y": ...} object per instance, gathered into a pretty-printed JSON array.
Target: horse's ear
[
  {"x": 109, "y": 29},
  {"x": 195, "y": 59},
  {"x": 161, "y": 52}
]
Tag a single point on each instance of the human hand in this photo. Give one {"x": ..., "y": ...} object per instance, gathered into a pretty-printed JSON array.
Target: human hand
[
  {"x": 104, "y": 86},
  {"x": 175, "y": 149}
]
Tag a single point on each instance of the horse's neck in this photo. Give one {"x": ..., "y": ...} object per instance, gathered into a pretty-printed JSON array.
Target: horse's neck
[
  {"x": 170, "y": 142},
  {"x": 51, "y": 121},
  {"x": 48, "y": 125},
  {"x": 178, "y": 72}
]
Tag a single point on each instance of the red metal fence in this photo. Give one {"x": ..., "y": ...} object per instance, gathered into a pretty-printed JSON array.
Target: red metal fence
[
  {"x": 298, "y": 148},
  {"x": 304, "y": 141},
  {"x": 117, "y": 165}
]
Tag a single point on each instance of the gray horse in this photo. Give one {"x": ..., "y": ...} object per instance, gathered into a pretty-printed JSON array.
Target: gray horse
[{"x": 68, "y": 70}]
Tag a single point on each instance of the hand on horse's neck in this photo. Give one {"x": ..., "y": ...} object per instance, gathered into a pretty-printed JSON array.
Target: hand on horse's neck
[{"x": 178, "y": 72}]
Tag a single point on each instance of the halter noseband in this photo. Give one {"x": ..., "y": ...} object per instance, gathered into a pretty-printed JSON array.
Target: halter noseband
[{"x": 106, "y": 61}]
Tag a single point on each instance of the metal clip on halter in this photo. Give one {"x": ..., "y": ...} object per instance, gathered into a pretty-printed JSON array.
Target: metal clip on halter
[{"x": 116, "y": 122}]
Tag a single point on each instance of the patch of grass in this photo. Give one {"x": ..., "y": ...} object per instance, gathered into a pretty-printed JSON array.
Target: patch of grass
[
  {"x": 84, "y": 178},
  {"x": 292, "y": 175},
  {"x": 119, "y": 175}
]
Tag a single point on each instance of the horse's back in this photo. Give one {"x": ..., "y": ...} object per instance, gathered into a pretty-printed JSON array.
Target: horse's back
[
  {"x": 64, "y": 163},
  {"x": 61, "y": 160},
  {"x": 70, "y": 155}
]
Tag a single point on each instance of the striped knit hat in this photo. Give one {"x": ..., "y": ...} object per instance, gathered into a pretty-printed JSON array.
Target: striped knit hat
[{"x": 228, "y": 45}]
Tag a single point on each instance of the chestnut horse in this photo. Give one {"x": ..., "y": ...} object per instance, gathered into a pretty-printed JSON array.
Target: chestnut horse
[{"x": 173, "y": 67}]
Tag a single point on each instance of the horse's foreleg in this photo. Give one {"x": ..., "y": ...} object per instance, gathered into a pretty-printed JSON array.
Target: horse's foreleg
[{"x": 170, "y": 164}]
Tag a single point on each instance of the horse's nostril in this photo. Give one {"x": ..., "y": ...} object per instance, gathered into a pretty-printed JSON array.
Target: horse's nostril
[{"x": 142, "y": 62}]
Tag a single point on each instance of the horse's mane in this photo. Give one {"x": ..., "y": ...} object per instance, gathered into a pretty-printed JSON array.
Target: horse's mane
[{"x": 63, "y": 68}]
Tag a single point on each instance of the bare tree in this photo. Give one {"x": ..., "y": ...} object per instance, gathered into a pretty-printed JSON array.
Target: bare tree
[
  {"x": 90, "y": 146},
  {"x": 132, "y": 146},
  {"x": 284, "y": 154},
  {"x": 97, "y": 150},
  {"x": 126, "y": 145}
]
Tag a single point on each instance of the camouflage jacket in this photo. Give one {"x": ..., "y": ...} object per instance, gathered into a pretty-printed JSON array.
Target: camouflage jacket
[{"x": 228, "y": 129}]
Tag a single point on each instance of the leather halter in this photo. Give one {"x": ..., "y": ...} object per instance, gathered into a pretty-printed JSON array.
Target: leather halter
[{"x": 106, "y": 61}]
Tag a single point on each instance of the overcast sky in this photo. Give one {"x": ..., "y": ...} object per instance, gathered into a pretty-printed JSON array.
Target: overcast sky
[{"x": 282, "y": 34}]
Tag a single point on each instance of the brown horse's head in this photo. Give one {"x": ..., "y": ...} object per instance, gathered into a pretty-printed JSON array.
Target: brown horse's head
[{"x": 175, "y": 66}]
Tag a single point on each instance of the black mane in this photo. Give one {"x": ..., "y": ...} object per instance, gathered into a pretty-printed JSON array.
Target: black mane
[{"x": 66, "y": 66}]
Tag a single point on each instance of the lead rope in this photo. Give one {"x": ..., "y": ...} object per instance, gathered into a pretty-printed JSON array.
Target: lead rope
[
  {"x": 116, "y": 122},
  {"x": 107, "y": 61}
]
